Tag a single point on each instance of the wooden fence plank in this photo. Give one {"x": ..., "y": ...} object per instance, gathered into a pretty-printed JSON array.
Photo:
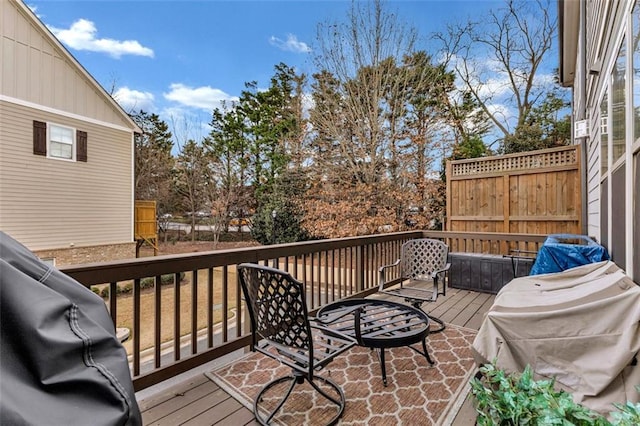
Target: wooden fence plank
[{"x": 535, "y": 192}]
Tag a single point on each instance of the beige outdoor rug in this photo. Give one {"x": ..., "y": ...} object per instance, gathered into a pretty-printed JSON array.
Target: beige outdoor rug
[{"x": 417, "y": 393}]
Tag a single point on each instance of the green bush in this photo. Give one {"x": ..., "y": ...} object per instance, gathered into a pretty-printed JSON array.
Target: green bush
[
  {"x": 627, "y": 414},
  {"x": 516, "y": 399},
  {"x": 145, "y": 283},
  {"x": 166, "y": 279}
]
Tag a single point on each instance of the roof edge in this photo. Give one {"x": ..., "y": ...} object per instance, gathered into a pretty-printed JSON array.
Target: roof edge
[{"x": 568, "y": 29}]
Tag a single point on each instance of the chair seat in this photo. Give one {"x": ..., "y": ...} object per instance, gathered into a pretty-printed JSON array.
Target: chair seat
[
  {"x": 326, "y": 346},
  {"x": 421, "y": 267},
  {"x": 282, "y": 329},
  {"x": 415, "y": 290}
]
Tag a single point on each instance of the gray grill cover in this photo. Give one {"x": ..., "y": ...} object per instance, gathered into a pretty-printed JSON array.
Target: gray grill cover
[
  {"x": 580, "y": 326},
  {"x": 60, "y": 360}
]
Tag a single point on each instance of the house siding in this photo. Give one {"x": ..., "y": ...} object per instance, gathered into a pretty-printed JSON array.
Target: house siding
[
  {"x": 50, "y": 204},
  {"x": 47, "y": 203},
  {"x": 612, "y": 197},
  {"x": 593, "y": 180},
  {"x": 37, "y": 70},
  {"x": 604, "y": 26}
]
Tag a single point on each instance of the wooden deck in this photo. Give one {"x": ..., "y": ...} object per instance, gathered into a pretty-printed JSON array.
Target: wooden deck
[{"x": 196, "y": 400}]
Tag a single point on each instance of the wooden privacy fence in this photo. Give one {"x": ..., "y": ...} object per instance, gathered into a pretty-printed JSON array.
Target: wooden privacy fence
[{"x": 535, "y": 192}]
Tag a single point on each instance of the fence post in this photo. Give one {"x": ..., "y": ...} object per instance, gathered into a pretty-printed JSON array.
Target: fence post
[{"x": 446, "y": 224}]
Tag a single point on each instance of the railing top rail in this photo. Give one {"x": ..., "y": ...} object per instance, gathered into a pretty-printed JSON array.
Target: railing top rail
[{"x": 99, "y": 273}]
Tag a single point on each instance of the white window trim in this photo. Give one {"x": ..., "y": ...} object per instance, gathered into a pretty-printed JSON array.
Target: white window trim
[
  {"x": 73, "y": 144},
  {"x": 51, "y": 261}
]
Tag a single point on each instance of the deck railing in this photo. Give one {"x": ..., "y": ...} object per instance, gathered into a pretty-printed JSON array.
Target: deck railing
[{"x": 185, "y": 310}]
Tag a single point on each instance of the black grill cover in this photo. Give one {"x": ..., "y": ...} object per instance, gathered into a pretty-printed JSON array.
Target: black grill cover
[{"x": 60, "y": 360}]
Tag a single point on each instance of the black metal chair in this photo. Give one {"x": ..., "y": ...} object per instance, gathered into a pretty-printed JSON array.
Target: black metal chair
[
  {"x": 282, "y": 329},
  {"x": 423, "y": 261}
]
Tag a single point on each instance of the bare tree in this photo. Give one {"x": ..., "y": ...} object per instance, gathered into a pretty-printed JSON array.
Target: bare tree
[
  {"x": 377, "y": 115},
  {"x": 359, "y": 92},
  {"x": 499, "y": 59},
  {"x": 191, "y": 179}
]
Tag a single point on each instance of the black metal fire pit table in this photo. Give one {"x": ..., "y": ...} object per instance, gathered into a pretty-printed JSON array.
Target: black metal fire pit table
[{"x": 378, "y": 324}]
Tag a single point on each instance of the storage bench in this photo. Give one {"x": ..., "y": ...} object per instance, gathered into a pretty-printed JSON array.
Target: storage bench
[{"x": 486, "y": 273}]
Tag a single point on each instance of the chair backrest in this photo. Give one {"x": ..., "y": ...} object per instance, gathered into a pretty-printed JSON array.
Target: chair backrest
[
  {"x": 277, "y": 306},
  {"x": 421, "y": 257}
]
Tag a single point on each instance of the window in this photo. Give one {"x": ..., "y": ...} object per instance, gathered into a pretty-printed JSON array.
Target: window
[
  {"x": 56, "y": 141},
  {"x": 51, "y": 261},
  {"x": 61, "y": 142},
  {"x": 618, "y": 103},
  {"x": 604, "y": 135},
  {"x": 636, "y": 71}
]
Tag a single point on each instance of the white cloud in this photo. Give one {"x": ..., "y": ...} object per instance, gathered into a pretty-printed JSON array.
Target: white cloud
[
  {"x": 291, "y": 44},
  {"x": 494, "y": 87},
  {"x": 204, "y": 97},
  {"x": 34, "y": 9},
  {"x": 82, "y": 36},
  {"x": 307, "y": 104},
  {"x": 132, "y": 100},
  {"x": 546, "y": 79}
]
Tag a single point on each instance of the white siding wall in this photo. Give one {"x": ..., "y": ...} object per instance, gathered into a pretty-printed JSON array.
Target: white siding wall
[{"x": 47, "y": 203}]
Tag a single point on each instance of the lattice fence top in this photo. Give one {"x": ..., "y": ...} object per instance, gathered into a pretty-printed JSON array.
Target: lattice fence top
[{"x": 556, "y": 157}]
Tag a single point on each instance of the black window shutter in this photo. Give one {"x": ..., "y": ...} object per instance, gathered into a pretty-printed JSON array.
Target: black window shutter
[
  {"x": 81, "y": 145},
  {"x": 39, "y": 138}
]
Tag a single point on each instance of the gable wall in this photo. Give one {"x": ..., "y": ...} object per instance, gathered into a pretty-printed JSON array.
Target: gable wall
[{"x": 35, "y": 70}]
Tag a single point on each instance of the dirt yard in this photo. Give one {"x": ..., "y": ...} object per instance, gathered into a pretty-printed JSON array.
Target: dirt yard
[
  {"x": 192, "y": 247},
  {"x": 147, "y": 318}
]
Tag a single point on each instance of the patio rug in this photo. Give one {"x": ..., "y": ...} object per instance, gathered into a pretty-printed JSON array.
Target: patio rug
[{"x": 416, "y": 394}]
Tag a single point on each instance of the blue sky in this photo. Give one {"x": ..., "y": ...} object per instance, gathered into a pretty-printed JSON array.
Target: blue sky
[{"x": 181, "y": 58}]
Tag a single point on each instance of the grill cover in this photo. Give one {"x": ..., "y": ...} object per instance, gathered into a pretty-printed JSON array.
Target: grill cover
[
  {"x": 565, "y": 251},
  {"x": 581, "y": 326},
  {"x": 60, "y": 360}
]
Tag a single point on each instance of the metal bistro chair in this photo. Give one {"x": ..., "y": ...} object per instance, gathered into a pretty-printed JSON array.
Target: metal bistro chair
[
  {"x": 422, "y": 261},
  {"x": 282, "y": 329}
]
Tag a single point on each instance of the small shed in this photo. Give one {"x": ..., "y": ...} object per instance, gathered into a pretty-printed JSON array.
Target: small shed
[{"x": 146, "y": 226}]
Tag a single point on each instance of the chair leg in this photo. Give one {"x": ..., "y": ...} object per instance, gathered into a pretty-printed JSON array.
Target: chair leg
[
  {"x": 297, "y": 378},
  {"x": 339, "y": 402},
  {"x": 418, "y": 305},
  {"x": 439, "y": 321},
  {"x": 256, "y": 409}
]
